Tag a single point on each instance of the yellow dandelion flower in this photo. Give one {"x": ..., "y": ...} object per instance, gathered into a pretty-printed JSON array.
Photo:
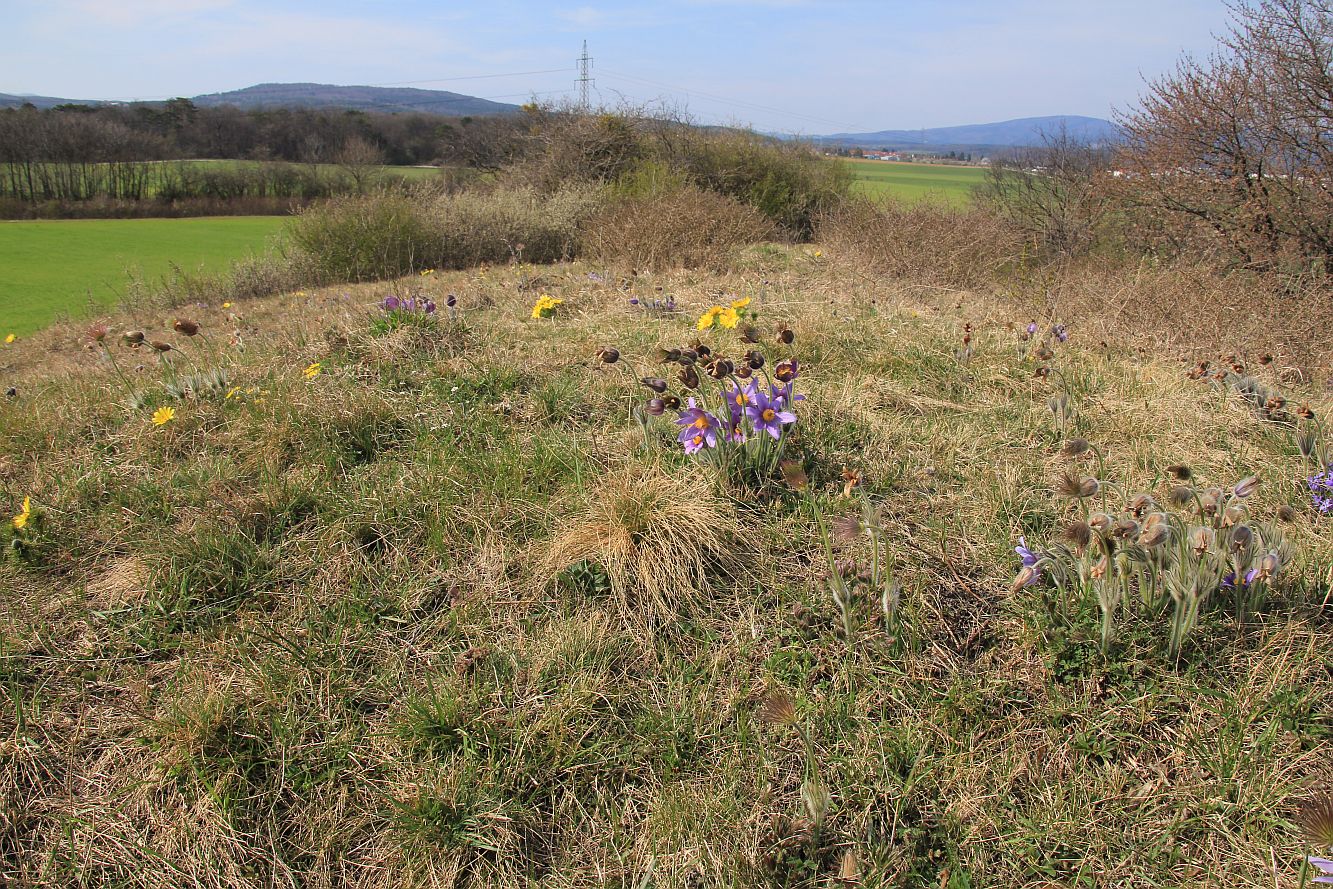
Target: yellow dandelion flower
[
  {"x": 819, "y": 254},
  {"x": 425, "y": 272},
  {"x": 163, "y": 415},
  {"x": 10, "y": 338},
  {"x": 728, "y": 318},
  {"x": 21, "y": 520},
  {"x": 231, "y": 393},
  {"x": 545, "y": 306},
  {"x": 300, "y": 293},
  {"x": 740, "y": 303},
  {"x": 226, "y": 305},
  {"x": 707, "y": 319},
  {"x": 313, "y": 371}
]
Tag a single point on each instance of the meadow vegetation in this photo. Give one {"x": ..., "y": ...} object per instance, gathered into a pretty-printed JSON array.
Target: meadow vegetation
[{"x": 657, "y": 513}]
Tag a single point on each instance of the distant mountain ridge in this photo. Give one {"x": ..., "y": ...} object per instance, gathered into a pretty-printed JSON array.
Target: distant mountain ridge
[
  {"x": 1025, "y": 132},
  {"x": 315, "y": 95}
]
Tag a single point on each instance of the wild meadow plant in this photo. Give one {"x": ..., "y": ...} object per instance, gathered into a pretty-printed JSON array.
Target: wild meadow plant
[
  {"x": 736, "y": 414},
  {"x": 1146, "y": 556},
  {"x": 1315, "y": 818}
]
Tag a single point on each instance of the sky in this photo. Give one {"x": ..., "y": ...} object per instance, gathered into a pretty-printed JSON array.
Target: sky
[{"x": 796, "y": 66}]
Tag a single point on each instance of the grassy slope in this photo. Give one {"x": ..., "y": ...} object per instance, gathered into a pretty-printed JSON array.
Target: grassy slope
[
  {"x": 50, "y": 268},
  {"x": 302, "y": 635},
  {"x": 916, "y": 182}
]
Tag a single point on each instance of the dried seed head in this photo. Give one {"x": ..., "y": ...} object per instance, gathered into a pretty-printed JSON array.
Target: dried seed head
[
  {"x": 1210, "y": 500},
  {"x": 848, "y": 529},
  {"x": 1201, "y": 539},
  {"x": 1181, "y": 494},
  {"x": 778, "y": 708},
  {"x": 1307, "y": 442},
  {"x": 609, "y": 355},
  {"x": 1075, "y": 446},
  {"x": 1026, "y": 576},
  {"x": 1078, "y": 533},
  {"x": 1180, "y": 471},
  {"x": 1315, "y": 817},
  {"x": 1126, "y": 529},
  {"x": 1246, "y": 486},
  {"x": 160, "y": 346},
  {"x": 1269, "y": 565},
  {"x": 849, "y": 870},
  {"x": 1141, "y": 504},
  {"x": 133, "y": 337},
  {"x": 1156, "y": 535},
  {"x": 186, "y": 327},
  {"x": 1287, "y": 513}
]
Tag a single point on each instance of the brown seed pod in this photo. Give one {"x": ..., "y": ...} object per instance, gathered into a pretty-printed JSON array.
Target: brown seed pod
[{"x": 186, "y": 326}]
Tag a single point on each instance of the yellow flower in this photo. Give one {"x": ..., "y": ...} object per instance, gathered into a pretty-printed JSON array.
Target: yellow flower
[
  {"x": 163, "y": 415},
  {"x": 300, "y": 293},
  {"x": 21, "y": 520},
  {"x": 818, "y": 254},
  {"x": 231, "y": 393},
  {"x": 10, "y": 338},
  {"x": 740, "y": 303},
  {"x": 545, "y": 306},
  {"x": 313, "y": 371},
  {"x": 707, "y": 319},
  {"x": 728, "y": 318},
  {"x": 425, "y": 272},
  {"x": 226, "y": 305}
]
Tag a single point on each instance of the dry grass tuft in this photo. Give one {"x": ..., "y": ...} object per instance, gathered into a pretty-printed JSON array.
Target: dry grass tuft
[{"x": 656, "y": 536}]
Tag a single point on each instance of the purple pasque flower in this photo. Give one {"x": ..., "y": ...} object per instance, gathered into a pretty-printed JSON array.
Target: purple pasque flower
[
  {"x": 699, "y": 430},
  {"x": 1029, "y": 557},
  {"x": 1321, "y": 490},
  {"x": 1032, "y": 328},
  {"x": 1061, "y": 332},
  {"x": 392, "y": 303},
  {"x": 1326, "y": 869},
  {"x": 737, "y": 398},
  {"x": 767, "y": 414}
]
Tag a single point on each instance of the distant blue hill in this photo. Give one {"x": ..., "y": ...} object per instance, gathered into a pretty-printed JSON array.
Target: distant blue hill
[
  {"x": 316, "y": 95},
  {"x": 1022, "y": 133}
]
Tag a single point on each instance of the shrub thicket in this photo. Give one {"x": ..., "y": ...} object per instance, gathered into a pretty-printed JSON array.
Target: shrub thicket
[
  {"x": 388, "y": 234},
  {"x": 680, "y": 228}
]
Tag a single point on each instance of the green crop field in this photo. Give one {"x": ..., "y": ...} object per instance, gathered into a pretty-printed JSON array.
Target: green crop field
[
  {"x": 50, "y": 268},
  {"x": 915, "y": 182}
]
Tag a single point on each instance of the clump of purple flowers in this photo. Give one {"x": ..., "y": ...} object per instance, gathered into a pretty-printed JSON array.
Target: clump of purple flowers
[
  {"x": 1321, "y": 490},
  {"x": 738, "y": 413},
  {"x": 660, "y": 305},
  {"x": 408, "y": 305}
]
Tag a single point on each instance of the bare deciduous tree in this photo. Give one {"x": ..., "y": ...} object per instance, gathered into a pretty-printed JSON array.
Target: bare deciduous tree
[{"x": 1240, "y": 147}]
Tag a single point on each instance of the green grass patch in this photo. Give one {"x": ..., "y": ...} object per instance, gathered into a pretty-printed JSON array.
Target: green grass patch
[
  {"x": 942, "y": 183},
  {"x": 50, "y": 268}
]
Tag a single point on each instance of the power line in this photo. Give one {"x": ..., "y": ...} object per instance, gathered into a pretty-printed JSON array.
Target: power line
[
  {"x": 752, "y": 105},
  {"x": 471, "y": 77}
]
